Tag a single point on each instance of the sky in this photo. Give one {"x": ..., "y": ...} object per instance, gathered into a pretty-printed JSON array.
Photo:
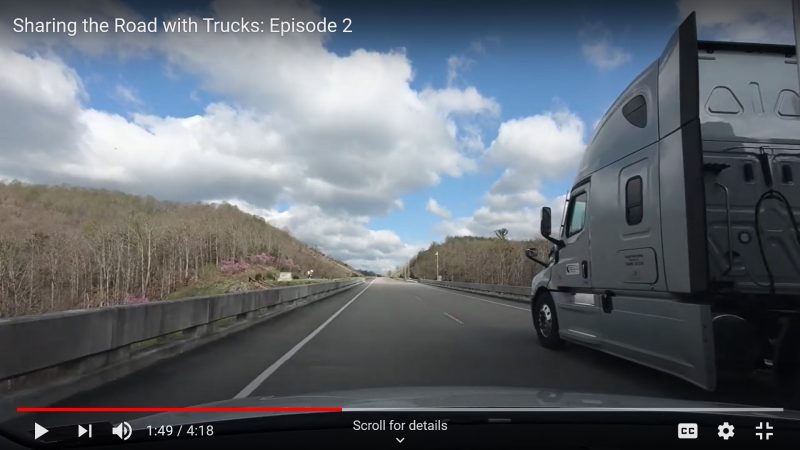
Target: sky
[{"x": 428, "y": 120}]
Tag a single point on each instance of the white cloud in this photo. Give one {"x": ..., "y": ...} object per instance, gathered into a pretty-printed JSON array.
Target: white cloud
[
  {"x": 522, "y": 223},
  {"x": 532, "y": 150},
  {"x": 456, "y": 65},
  {"x": 467, "y": 101},
  {"x": 545, "y": 144},
  {"x": 347, "y": 237},
  {"x": 470, "y": 140},
  {"x": 39, "y": 112},
  {"x": 598, "y": 48},
  {"x": 465, "y": 107},
  {"x": 128, "y": 95},
  {"x": 461, "y": 108},
  {"x": 603, "y": 55},
  {"x": 298, "y": 125},
  {"x": 767, "y": 21},
  {"x": 436, "y": 209}
]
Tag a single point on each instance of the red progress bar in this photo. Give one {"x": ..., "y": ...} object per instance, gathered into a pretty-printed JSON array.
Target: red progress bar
[{"x": 176, "y": 409}]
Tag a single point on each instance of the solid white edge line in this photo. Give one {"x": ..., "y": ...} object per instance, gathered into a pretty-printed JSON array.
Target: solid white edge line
[
  {"x": 481, "y": 299},
  {"x": 253, "y": 385},
  {"x": 448, "y": 315}
]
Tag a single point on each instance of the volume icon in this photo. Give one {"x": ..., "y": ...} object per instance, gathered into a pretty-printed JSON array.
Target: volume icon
[{"x": 122, "y": 431}]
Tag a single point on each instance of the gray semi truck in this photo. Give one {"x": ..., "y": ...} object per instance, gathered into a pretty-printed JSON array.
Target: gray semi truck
[{"x": 679, "y": 248}]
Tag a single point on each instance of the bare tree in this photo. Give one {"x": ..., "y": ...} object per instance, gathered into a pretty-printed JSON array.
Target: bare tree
[
  {"x": 478, "y": 260},
  {"x": 63, "y": 248}
]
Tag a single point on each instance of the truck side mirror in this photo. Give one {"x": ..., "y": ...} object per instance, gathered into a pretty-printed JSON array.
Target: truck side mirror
[
  {"x": 533, "y": 254},
  {"x": 546, "y": 226}
]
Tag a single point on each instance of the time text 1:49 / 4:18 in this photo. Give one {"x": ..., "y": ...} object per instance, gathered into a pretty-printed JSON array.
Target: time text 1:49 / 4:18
[{"x": 180, "y": 430}]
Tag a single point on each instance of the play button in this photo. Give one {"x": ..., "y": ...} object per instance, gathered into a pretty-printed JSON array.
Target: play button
[{"x": 38, "y": 430}]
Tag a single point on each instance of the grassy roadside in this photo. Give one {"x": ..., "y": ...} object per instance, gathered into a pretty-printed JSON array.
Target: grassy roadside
[{"x": 214, "y": 282}]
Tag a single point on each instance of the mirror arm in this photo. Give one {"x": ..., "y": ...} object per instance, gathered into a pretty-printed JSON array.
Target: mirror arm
[
  {"x": 529, "y": 254},
  {"x": 541, "y": 263},
  {"x": 558, "y": 242}
]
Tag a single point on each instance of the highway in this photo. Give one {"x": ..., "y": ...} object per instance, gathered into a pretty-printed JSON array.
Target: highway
[{"x": 386, "y": 333}]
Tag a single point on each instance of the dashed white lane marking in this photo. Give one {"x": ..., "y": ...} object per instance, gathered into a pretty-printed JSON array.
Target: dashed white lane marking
[
  {"x": 488, "y": 301},
  {"x": 448, "y": 315}
]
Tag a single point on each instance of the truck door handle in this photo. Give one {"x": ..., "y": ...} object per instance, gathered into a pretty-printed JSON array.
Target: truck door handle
[
  {"x": 585, "y": 269},
  {"x": 607, "y": 302}
]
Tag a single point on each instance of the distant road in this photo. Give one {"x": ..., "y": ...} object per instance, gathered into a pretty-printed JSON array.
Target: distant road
[{"x": 384, "y": 334}]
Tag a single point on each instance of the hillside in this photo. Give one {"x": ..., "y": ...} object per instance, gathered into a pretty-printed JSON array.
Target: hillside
[
  {"x": 479, "y": 260},
  {"x": 66, "y": 247}
]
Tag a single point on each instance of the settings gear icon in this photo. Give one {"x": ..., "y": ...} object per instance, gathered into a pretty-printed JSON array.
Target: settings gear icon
[{"x": 725, "y": 431}]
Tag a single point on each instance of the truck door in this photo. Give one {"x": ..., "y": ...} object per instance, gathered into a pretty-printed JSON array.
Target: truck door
[
  {"x": 572, "y": 272},
  {"x": 577, "y": 306}
]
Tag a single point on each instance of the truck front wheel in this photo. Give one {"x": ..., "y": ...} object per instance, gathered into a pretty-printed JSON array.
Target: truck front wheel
[{"x": 545, "y": 320}]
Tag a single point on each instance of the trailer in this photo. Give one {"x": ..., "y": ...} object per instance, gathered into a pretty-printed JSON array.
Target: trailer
[{"x": 679, "y": 248}]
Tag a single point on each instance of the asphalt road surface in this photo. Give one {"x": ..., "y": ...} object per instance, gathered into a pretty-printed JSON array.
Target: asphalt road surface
[{"x": 386, "y": 333}]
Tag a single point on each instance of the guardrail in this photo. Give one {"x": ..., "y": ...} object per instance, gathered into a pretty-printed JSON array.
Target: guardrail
[
  {"x": 520, "y": 294},
  {"x": 67, "y": 352}
]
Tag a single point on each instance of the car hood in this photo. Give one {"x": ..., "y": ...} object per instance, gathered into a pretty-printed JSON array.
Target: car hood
[{"x": 414, "y": 398}]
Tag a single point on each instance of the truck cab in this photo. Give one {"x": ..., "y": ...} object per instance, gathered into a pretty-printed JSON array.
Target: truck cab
[{"x": 679, "y": 248}]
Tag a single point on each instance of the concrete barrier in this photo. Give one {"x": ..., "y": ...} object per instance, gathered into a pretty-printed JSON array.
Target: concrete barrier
[
  {"x": 49, "y": 357},
  {"x": 520, "y": 294}
]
